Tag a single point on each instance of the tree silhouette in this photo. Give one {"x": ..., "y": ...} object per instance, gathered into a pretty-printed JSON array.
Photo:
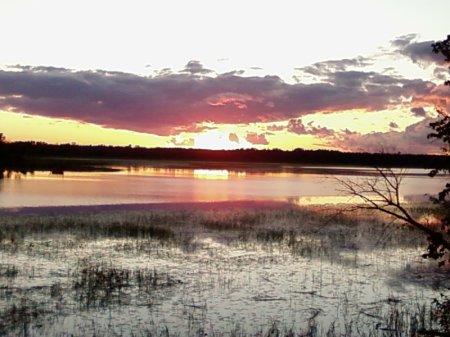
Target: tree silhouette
[{"x": 441, "y": 130}]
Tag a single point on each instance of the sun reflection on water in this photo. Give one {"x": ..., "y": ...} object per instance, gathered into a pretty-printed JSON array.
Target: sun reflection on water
[{"x": 211, "y": 174}]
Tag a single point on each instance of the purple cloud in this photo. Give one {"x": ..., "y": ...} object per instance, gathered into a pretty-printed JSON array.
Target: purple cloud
[
  {"x": 419, "y": 52},
  {"x": 171, "y": 102},
  {"x": 297, "y": 126}
]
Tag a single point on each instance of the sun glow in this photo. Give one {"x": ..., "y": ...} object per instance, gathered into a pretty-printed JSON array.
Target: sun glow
[{"x": 215, "y": 140}]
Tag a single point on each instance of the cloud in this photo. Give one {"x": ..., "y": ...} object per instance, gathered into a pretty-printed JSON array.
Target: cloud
[
  {"x": 194, "y": 128},
  {"x": 171, "y": 102},
  {"x": 275, "y": 127},
  {"x": 321, "y": 132},
  {"x": 195, "y": 67},
  {"x": 188, "y": 142},
  {"x": 412, "y": 140},
  {"x": 233, "y": 138},
  {"x": 419, "y": 112},
  {"x": 256, "y": 139},
  {"x": 325, "y": 67},
  {"x": 419, "y": 52},
  {"x": 393, "y": 125},
  {"x": 297, "y": 126}
]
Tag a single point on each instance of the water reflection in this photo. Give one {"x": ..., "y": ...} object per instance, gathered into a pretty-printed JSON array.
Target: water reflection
[
  {"x": 211, "y": 174},
  {"x": 150, "y": 184},
  {"x": 221, "y": 174},
  {"x": 321, "y": 200}
]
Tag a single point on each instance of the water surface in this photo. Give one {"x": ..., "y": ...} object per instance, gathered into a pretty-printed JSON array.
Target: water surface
[{"x": 157, "y": 184}]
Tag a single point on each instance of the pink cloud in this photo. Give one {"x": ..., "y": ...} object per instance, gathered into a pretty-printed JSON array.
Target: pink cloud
[
  {"x": 233, "y": 138},
  {"x": 256, "y": 139}
]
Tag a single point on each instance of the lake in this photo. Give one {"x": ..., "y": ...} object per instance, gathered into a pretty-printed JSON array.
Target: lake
[
  {"x": 161, "y": 184},
  {"x": 222, "y": 270}
]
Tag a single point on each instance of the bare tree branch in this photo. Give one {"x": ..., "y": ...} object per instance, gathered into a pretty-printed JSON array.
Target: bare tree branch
[{"x": 382, "y": 194}]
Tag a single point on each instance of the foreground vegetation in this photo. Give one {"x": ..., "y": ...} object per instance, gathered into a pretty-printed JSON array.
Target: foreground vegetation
[{"x": 291, "y": 272}]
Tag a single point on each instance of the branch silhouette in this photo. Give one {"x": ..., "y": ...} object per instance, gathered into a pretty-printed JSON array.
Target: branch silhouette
[{"x": 381, "y": 193}]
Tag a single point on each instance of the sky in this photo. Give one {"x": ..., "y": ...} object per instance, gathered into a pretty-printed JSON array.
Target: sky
[{"x": 344, "y": 75}]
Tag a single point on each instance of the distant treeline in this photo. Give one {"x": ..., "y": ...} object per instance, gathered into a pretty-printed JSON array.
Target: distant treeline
[{"x": 29, "y": 156}]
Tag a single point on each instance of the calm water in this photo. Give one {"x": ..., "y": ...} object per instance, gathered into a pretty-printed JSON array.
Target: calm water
[{"x": 159, "y": 184}]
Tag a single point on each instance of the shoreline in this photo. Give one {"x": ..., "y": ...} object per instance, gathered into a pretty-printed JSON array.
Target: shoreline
[{"x": 164, "y": 206}]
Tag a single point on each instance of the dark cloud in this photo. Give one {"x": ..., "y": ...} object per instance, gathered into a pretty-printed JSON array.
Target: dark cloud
[
  {"x": 403, "y": 40},
  {"x": 422, "y": 52},
  {"x": 419, "y": 111},
  {"x": 171, "y": 102},
  {"x": 192, "y": 128},
  {"x": 393, "y": 125},
  {"x": 234, "y": 73},
  {"x": 256, "y": 139},
  {"x": 326, "y": 67},
  {"x": 195, "y": 67},
  {"x": 419, "y": 52},
  {"x": 441, "y": 73},
  {"x": 233, "y": 138}
]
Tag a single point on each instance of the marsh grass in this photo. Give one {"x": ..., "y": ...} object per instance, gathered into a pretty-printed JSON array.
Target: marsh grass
[
  {"x": 101, "y": 285},
  {"x": 113, "y": 263},
  {"x": 8, "y": 270},
  {"x": 18, "y": 317}
]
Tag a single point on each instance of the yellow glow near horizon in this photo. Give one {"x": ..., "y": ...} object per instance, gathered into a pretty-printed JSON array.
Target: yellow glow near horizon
[
  {"x": 23, "y": 127},
  {"x": 362, "y": 121}
]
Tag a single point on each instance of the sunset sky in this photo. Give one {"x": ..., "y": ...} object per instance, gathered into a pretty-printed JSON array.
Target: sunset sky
[{"x": 347, "y": 75}]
